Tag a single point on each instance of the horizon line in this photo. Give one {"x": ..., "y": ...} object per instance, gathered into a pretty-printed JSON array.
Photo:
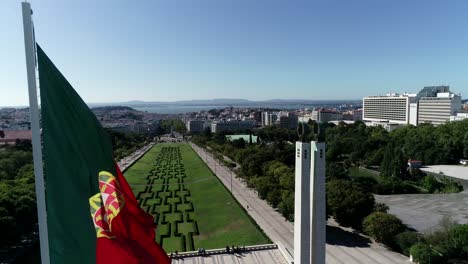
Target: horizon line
[{"x": 195, "y": 100}]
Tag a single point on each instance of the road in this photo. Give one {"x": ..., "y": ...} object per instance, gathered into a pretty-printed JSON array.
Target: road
[{"x": 343, "y": 245}]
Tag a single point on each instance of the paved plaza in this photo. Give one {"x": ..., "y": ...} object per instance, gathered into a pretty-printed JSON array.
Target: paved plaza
[
  {"x": 455, "y": 171},
  {"x": 423, "y": 212},
  {"x": 343, "y": 245}
]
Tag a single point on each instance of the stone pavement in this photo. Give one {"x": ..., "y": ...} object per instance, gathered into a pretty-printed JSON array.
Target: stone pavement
[
  {"x": 423, "y": 212},
  {"x": 455, "y": 171},
  {"x": 343, "y": 246}
]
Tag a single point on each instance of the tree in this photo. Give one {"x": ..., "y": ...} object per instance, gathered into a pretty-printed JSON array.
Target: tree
[
  {"x": 393, "y": 164},
  {"x": 336, "y": 171},
  {"x": 262, "y": 185},
  {"x": 465, "y": 146},
  {"x": 348, "y": 203},
  {"x": 459, "y": 239},
  {"x": 286, "y": 206},
  {"x": 238, "y": 143},
  {"x": 406, "y": 240},
  {"x": 424, "y": 254},
  {"x": 382, "y": 227},
  {"x": 381, "y": 207},
  {"x": 365, "y": 182},
  {"x": 431, "y": 184}
]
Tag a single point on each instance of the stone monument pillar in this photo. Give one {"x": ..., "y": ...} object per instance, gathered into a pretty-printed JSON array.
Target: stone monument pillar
[{"x": 309, "y": 203}]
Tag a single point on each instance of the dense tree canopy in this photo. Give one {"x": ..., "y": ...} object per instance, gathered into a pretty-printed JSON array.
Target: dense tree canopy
[
  {"x": 125, "y": 144},
  {"x": 382, "y": 227},
  {"x": 374, "y": 146},
  {"x": 17, "y": 195},
  {"x": 348, "y": 202},
  {"x": 176, "y": 125}
]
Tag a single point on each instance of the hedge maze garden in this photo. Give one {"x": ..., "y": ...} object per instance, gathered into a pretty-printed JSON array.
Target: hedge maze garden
[
  {"x": 168, "y": 199},
  {"x": 190, "y": 206}
]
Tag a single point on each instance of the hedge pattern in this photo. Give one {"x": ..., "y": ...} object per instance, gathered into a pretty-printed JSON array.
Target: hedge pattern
[{"x": 168, "y": 199}]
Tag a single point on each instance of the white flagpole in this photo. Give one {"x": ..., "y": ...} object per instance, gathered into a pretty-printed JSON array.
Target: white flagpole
[{"x": 30, "y": 49}]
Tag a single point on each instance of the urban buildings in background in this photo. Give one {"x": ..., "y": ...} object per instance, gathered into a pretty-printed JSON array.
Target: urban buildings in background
[
  {"x": 127, "y": 120},
  {"x": 196, "y": 126},
  {"x": 433, "y": 104},
  {"x": 14, "y": 119},
  {"x": 14, "y": 125}
]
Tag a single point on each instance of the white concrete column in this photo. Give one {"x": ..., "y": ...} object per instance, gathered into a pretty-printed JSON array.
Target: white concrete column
[
  {"x": 318, "y": 205},
  {"x": 302, "y": 245}
]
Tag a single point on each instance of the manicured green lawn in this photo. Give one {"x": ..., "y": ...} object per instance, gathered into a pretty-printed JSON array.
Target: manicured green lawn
[{"x": 188, "y": 197}]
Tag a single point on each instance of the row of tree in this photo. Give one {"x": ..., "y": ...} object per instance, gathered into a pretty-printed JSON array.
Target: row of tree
[
  {"x": 18, "y": 215},
  {"x": 175, "y": 125},
  {"x": 125, "y": 144}
]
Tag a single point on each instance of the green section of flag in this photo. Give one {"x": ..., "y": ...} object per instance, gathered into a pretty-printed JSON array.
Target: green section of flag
[{"x": 76, "y": 148}]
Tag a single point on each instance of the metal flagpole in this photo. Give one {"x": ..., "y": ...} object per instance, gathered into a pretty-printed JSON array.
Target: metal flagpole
[{"x": 30, "y": 50}]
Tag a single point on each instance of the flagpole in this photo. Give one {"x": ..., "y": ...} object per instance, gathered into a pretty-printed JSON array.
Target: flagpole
[{"x": 30, "y": 50}]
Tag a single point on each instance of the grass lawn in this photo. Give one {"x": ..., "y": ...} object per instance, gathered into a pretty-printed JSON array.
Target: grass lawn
[{"x": 192, "y": 207}]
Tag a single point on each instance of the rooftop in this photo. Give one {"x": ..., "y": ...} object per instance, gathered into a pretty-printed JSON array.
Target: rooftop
[{"x": 10, "y": 136}]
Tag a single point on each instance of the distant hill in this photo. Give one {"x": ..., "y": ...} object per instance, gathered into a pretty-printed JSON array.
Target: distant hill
[
  {"x": 112, "y": 108},
  {"x": 186, "y": 106},
  {"x": 223, "y": 101},
  {"x": 189, "y": 102}
]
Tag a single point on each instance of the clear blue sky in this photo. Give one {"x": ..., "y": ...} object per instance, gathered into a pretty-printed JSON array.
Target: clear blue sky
[{"x": 157, "y": 50}]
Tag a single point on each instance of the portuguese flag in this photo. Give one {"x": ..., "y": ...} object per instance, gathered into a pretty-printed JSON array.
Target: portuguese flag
[{"x": 92, "y": 214}]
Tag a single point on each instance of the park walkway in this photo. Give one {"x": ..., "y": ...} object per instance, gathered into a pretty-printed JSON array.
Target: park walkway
[
  {"x": 343, "y": 246},
  {"x": 128, "y": 161}
]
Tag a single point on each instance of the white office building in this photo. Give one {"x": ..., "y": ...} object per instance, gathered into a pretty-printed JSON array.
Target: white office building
[
  {"x": 268, "y": 119},
  {"x": 326, "y": 115},
  {"x": 433, "y": 104},
  {"x": 459, "y": 117},
  {"x": 195, "y": 126},
  {"x": 391, "y": 108},
  {"x": 232, "y": 125},
  {"x": 438, "y": 110}
]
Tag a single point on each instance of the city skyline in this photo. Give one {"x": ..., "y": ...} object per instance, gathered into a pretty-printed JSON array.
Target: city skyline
[{"x": 312, "y": 50}]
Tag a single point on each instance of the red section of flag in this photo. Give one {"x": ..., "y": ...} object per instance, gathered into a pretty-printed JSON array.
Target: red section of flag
[{"x": 133, "y": 236}]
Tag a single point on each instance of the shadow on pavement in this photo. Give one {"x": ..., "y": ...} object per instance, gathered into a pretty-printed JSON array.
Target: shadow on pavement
[{"x": 340, "y": 237}]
